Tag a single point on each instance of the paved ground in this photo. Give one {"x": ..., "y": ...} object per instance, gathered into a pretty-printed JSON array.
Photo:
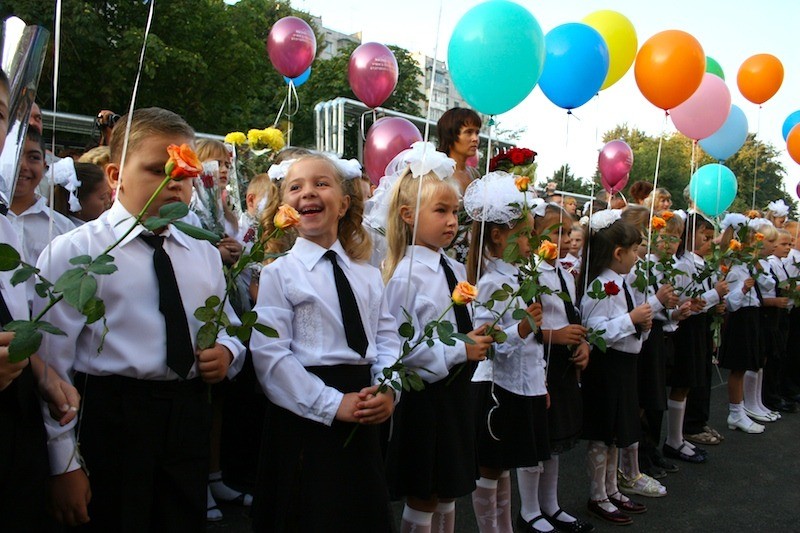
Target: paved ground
[{"x": 750, "y": 483}]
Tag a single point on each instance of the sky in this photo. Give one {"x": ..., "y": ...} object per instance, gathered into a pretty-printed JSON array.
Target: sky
[{"x": 730, "y": 31}]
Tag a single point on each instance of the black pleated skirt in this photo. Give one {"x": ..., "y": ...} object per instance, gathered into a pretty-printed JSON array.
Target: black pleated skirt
[
  {"x": 652, "y": 370},
  {"x": 432, "y": 449},
  {"x": 771, "y": 335},
  {"x": 742, "y": 342},
  {"x": 690, "y": 340},
  {"x": 565, "y": 416},
  {"x": 611, "y": 399}
]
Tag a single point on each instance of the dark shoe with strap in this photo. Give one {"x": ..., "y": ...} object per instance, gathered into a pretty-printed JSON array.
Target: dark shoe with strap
[
  {"x": 668, "y": 466},
  {"x": 617, "y": 517},
  {"x": 630, "y": 506},
  {"x": 528, "y": 525},
  {"x": 578, "y": 526},
  {"x": 679, "y": 454}
]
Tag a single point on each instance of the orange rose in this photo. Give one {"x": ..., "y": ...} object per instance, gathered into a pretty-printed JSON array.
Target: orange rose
[
  {"x": 464, "y": 293},
  {"x": 286, "y": 217},
  {"x": 735, "y": 246},
  {"x": 523, "y": 183},
  {"x": 753, "y": 214},
  {"x": 548, "y": 250},
  {"x": 658, "y": 223},
  {"x": 182, "y": 163},
  {"x": 724, "y": 269},
  {"x": 667, "y": 215},
  {"x": 759, "y": 237}
]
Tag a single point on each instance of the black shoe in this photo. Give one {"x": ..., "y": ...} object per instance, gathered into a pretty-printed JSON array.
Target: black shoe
[
  {"x": 618, "y": 518},
  {"x": 672, "y": 453},
  {"x": 527, "y": 525},
  {"x": 654, "y": 472},
  {"x": 578, "y": 526},
  {"x": 665, "y": 465},
  {"x": 783, "y": 406}
]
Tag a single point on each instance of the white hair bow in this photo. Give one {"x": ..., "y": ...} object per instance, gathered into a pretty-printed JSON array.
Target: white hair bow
[
  {"x": 605, "y": 218},
  {"x": 63, "y": 173}
]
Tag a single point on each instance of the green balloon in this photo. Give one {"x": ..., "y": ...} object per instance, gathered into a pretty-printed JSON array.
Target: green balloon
[{"x": 712, "y": 67}]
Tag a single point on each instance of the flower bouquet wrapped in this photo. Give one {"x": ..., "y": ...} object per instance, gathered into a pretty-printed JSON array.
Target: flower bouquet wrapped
[
  {"x": 206, "y": 200},
  {"x": 253, "y": 154}
]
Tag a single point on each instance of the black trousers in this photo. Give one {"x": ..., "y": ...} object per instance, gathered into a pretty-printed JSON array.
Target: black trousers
[{"x": 146, "y": 449}]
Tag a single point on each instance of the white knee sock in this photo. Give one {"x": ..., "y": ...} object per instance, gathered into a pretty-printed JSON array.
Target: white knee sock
[
  {"x": 444, "y": 518},
  {"x": 415, "y": 521},
  {"x": 760, "y": 393},
  {"x": 675, "y": 413},
  {"x": 548, "y": 490},
  {"x": 752, "y": 400},
  {"x": 629, "y": 461},
  {"x": 484, "y": 503},
  {"x": 504, "y": 523},
  {"x": 528, "y": 480},
  {"x": 611, "y": 473}
]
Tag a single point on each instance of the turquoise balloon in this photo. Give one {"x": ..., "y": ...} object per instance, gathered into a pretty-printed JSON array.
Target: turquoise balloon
[
  {"x": 713, "y": 188},
  {"x": 299, "y": 80},
  {"x": 791, "y": 121},
  {"x": 496, "y": 55},
  {"x": 575, "y": 65},
  {"x": 727, "y": 140}
]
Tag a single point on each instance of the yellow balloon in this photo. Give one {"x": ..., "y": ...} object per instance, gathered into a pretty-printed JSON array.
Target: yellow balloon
[{"x": 620, "y": 36}]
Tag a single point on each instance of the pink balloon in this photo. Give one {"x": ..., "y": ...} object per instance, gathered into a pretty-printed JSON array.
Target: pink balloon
[
  {"x": 472, "y": 161},
  {"x": 705, "y": 111},
  {"x": 385, "y": 139},
  {"x": 291, "y": 46},
  {"x": 614, "y": 163},
  {"x": 372, "y": 73}
]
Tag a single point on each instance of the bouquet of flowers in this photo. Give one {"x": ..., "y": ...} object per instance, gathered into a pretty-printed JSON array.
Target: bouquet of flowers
[
  {"x": 517, "y": 161},
  {"x": 207, "y": 199},
  {"x": 253, "y": 153}
]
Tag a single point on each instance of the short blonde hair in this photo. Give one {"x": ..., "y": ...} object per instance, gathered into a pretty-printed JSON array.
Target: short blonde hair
[
  {"x": 99, "y": 155},
  {"x": 145, "y": 123}
]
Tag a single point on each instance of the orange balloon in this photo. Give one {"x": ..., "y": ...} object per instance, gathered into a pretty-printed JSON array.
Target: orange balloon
[
  {"x": 793, "y": 143},
  {"x": 760, "y": 77},
  {"x": 669, "y": 68}
]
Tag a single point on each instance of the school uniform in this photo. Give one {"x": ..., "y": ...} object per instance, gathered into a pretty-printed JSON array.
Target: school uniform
[
  {"x": 432, "y": 448},
  {"x": 509, "y": 390},
  {"x": 23, "y": 452},
  {"x": 790, "y": 372},
  {"x": 776, "y": 324},
  {"x": 610, "y": 396},
  {"x": 571, "y": 264},
  {"x": 309, "y": 480},
  {"x": 742, "y": 338},
  {"x": 144, "y": 432}
]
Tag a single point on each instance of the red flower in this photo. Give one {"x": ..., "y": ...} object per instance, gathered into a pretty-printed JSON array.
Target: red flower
[
  {"x": 511, "y": 158},
  {"x": 182, "y": 163},
  {"x": 207, "y": 179},
  {"x": 517, "y": 157},
  {"x": 250, "y": 235},
  {"x": 611, "y": 288}
]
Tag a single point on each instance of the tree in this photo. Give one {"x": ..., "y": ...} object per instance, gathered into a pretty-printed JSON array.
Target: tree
[{"x": 566, "y": 181}]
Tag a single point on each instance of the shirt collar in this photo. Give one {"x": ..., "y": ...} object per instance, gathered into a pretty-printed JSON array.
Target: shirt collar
[
  {"x": 39, "y": 206},
  {"x": 502, "y": 267},
  {"x": 612, "y": 276},
  {"x": 426, "y": 256},
  {"x": 120, "y": 220},
  {"x": 544, "y": 265},
  {"x": 309, "y": 253}
]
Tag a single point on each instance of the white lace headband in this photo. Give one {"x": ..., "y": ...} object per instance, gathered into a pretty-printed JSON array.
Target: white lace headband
[
  {"x": 778, "y": 208},
  {"x": 424, "y": 159},
  {"x": 63, "y": 173},
  {"x": 734, "y": 220},
  {"x": 348, "y": 168},
  {"x": 604, "y": 219},
  {"x": 495, "y": 198}
]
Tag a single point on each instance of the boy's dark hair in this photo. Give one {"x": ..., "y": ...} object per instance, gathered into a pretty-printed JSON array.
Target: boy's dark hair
[
  {"x": 599, "y": 249},
  {"x": 33, "y": 135},
  {"x": 694, "y": 223},
  {"x": 4, "y": 81},
  {"x": 450, "y": 124},
  {"x": 147, "y": 122},
  {"x": 640, "y": 190}
]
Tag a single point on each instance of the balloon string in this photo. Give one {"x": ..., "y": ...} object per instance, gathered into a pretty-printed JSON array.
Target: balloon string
[
  {"x": 755, "y": 166},
  {"x": 483, "y": 213},
  {"x": 655, "y": 195},
  {"x": 56, "y": 65},
  {"x": 588, "y": 237}
]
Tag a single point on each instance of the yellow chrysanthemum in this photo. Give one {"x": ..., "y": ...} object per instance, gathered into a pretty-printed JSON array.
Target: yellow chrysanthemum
[
  {"x": 236, "y": 137},
  {"x": 254, "y": 138},
  {"x": 272, "y": 138}
]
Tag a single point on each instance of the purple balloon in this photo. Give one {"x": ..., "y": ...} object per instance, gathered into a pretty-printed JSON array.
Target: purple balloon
[
  {"x": 372, "y": 73},
  {"x": 291, "y": 46},
  {"x": 615, "y": 162},
  {"x": 385, "y": 139}
]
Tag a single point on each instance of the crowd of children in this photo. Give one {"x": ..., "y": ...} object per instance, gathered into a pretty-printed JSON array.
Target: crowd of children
[{"x": 575, "y": 332}]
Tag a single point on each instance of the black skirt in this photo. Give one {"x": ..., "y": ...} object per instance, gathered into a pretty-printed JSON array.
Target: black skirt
[
  {"x": 690, "y": 340},
  {"x": 565, "y": 415},
  {"x": 610, "y": 399},
  {"x": 742, "y": 346},
  {"x": 652, "y": 370},
  {"x": 771, "y": 336},
  {"x": 432, "y": 452},
  {"x": 309, "y": 480},
  {"x": 518, "y": 423}
]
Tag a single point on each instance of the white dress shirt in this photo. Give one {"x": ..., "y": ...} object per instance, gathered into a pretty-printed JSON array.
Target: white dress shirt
[
  {"x": 297, "y": 296},
  {"x": 429, "y": 296},
  {"x": 15, "y": 296},
  {"x": 518, "y": 364},
  {"x": 736, "y": 299},
  {"x": 135, "y": 345},
  {"x": 792, "y": 263},
  {"x": 555, "y": 314},
  {"x": 611, "y": 314},
  {"x": 33, "y": 228},
  {"x": 780, "y": 272},
  {"x": 692, "y": 264}
]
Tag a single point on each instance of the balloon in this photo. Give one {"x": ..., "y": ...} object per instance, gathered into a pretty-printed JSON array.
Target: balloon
[
  {"x": 482, "y": 49},
  {"x": 669, "y": 68},
  {"x": 791, "y": 121},
  {"x": 705, "y": 111},
  {"x": 797, "y": 190},
  {"x": 472, "y": 161},
  {"x": 614, "y": 163},
  {"x": 299, "y": 80},
  {"x": 727, "y": 140},
  {"x": 713, "y": 188},
  {"x": 793, "y": 143},
  {"x": 760, "y": 77},
  {"x": 291, "y": 46},
  {"x": 712, "y": 67},
  {"x": 372, "y": 73},
  {"x": 575, "y": 65},
  {"x": 385, "y": 139},
  {"x": 620, "y": 37}
]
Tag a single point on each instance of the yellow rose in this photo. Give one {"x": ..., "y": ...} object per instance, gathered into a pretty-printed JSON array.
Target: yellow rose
[
  {"x": 286, "y": 217},
  {"x": 464, "y": 293},
  {"x": 735, "y": 246},
  {"x": 658, "y": 223},
  {"x": 759, "y": 237},
  {"x": 667, "y": 215},
  {"x": 236, "y": 137},
  {"x": 753, "y": 214},
  {"x": 548, "y": 250},
  {"x": 523, "y": 183}
]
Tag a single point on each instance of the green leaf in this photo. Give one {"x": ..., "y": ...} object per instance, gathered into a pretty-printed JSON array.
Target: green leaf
[
  {"x": 69, "y": 279},
  {"x": 213, "y": 301},
  {"x": 104, "y": 259},
  {"x": 243, "y": 333},
  {"x": 499, "y": 295},
  {"x": 430, "y": 343},
  {"x": 80, "y": 293},
  {"x": 406, "y": 330},
  {"x": 463, "y": 338},
  {"x": 94, "y": 310},
  {"x": 47, "y": 327},
  {"x": 448, "y": 340},
  {"x": 197, "y": 233},
  {"x": 25, "y": 343},
  {"x": 173, "y": 210},
  {"x": 102, "y": 269},
  {"x": 519, "y": 314},
  {"x": 155, "y": 223},
  {"x": 9, "y": 257},
  {"x": 204, "y": 314},
  {"x": 224, "y": 320},
  {"x": 23, "y": 274},
  {"x": 564, "y": 296},
  {"x": 41, "y": 289},
  {"x": 499, "y": 336},
  {"x": 507, "y": 288},
  {"x": 81, "y": 260},
  {"x": 266, "y": 331},
  {"x": 445, "y": 328},
  {"x": 207, "y": 336},
  {"x": 249, "y": 318},
  {"x": 387, "y": 373}
]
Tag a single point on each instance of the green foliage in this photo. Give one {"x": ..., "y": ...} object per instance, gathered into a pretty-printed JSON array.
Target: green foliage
[{"x": 566, "y": 180}]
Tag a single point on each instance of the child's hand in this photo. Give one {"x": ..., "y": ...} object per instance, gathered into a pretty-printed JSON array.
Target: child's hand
[
  {"x": 722, "y": 288},
  {"x": 697, "y": 305},
  {"x": 230, "y": 249},
  {"x": 70, "y": 495},
  {"x": 781, "y": 303},
  {"x": 347, "y": 408},
  {"x": 581, "y": 356},
  {"x": 8, "y": 371},
  {"x": 683, "y": 311},
  {"x": 719, "y": 309},
  {"x": 477, "y": 351},
  {"x": 213, "y": 363},
  {"x": 62, "y": 398},
  {"x": 748, "y": 284},
  {"x": 535, "y": 312},
  {"x": 374, "y": 407},
  {"x": 666, "y": 295},
  {"x": 569, "y": 335},
  {"x": 641, "y": 314}
]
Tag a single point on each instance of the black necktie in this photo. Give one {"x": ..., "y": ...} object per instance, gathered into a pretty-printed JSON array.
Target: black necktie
[
  {"x": 5, "y": 314},
  {"x": 757, "y": 288},
  {"x": 629, "y": 302},
  {"x": 569, "y": 307},
  {"x": 777, "y": 281},
  {"x": 3, "y": 209},
  {"x": 463, "y": 321},
  {"x": 351, "y": 317},
  {"x": 180, "y": 350}
]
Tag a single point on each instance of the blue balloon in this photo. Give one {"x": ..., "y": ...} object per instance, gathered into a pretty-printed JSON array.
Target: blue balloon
[
  {"x": 575, "y": 65},
  {"x": 791, "y": 121},
  {"x": 727, "y": 140},
  {"x": 496, "y": 55},
  {"x": 713, "y": 188},
  {"x": 299, "y": 80}
]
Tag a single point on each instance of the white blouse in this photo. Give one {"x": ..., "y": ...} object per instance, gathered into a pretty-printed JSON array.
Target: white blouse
[{"x": 611, "y": 314}]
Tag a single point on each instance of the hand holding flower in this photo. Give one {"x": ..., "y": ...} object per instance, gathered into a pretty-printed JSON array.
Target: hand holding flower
[
  {"x": 213, "y": 363},
  {"x": 535, "y": 312},
  {"x": 374, "y": 406},
  {"x": 481, "y": 344},
  {"x": 571, "y": 335},
  {"x": 666, "y": 295},
  {"x": 581, "y": 356},
  {"x": 642, "y": 314},
  {"x": 722, "y": 288},
  {"x": 748, "y": 284}
]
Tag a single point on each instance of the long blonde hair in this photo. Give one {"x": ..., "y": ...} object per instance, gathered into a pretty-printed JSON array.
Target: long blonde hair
[{"x": 404, "y": 194}]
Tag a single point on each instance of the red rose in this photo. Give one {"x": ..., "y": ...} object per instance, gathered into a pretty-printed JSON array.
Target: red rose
[
  {"x": 611, "y": 288},
  {"x": 208, "y": 180},
  {"x": 517, "y": 157},
  {"x": 250, "y": 235}
]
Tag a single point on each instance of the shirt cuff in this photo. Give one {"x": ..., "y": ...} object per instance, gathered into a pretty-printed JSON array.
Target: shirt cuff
[
  {"x": 238, "y": 352},
  {"x": 63, "y": 454},
  {"x": 325, "y": 408}
]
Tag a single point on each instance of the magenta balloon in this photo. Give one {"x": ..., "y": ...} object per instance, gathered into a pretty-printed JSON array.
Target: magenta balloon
[
  {"x": 385, "y": 139},
  {"x": 705, "y": 111},
  {"x": 614, "y": 163},
  {"x": 291, "y": 46},
  {"x": 372, "y": 73},
  {"x": 616, "y": 186}
]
